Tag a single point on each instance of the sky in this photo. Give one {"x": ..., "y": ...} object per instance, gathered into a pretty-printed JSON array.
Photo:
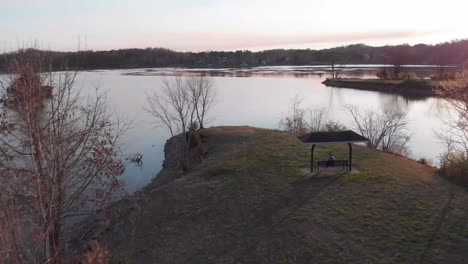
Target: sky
[{"x": 202, "y": 25}]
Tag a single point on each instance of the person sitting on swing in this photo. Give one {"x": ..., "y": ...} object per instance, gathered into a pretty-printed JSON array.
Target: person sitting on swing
[{"x": 331, "y": 160}]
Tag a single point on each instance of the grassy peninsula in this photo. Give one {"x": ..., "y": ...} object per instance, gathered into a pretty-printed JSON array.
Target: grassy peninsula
[
  {"x": 250, "y": 201},
  {"x": 411, "y": 87}
]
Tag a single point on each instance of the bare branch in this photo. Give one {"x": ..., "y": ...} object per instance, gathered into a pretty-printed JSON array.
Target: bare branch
[
  {"x": 386, "y": 130},
  {"x": 180, "y": 105},
  {"x": 59, "y": 156}
]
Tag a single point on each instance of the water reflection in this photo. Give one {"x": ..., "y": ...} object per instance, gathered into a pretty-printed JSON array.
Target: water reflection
[
  {"x": 258, "y": 97},
  {"x": 394, "y": 103},
  {"x": 361, "y": 71}
]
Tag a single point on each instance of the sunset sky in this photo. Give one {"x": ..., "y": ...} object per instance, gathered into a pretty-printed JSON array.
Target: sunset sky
[{"x": 198, "y": 25}]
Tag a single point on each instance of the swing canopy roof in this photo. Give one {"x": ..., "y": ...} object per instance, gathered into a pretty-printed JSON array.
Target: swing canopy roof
[{"x": 339, "y": 137}]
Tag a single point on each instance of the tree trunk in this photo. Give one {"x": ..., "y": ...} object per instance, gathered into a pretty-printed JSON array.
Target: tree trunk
[{"x": 52, "y": 244}]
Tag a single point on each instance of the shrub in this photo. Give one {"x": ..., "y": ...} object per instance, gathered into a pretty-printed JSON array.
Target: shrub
[
  {"x": 295, "y": 122},
  {"x": 195, "y": 138},
  {"x": 383, "y": 74},
  {"x": 333, "y": 126},
  {"x": 196, "y": 143},
  {"x": 426, "y": 162},
  {"x": 447, "y": 76},
  {"x": 455, "y": 167},
  {"x": 97, "y": 254},
  {"x": 407, "y": 76}
]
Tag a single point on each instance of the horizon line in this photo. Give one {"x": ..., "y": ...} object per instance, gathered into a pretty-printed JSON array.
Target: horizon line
[{"x": 231, "y": 50}]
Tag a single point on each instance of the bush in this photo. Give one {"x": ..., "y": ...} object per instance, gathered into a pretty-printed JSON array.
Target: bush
[
  {"x": 195, "y": 138},
  {"x": 407, "y": 76},
  {"x": 447, "y": 76},
  {"x": 455, "y": 167},
  {"x": 333, "y": 126},
  {"x": 196, "y": 145},
  {"x": 295, "y": 122},
  {"x": 383, "y": 74},
  {"x": 426, "y": 162},
  {"x": 97, "y": 254}
]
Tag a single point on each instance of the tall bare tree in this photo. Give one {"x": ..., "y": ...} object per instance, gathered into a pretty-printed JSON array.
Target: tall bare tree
[
  {"x": 398, "y": 56},
  {"x": 59, "y": 158},
  {"x": 180, "y": 104},
  {"x": 336, "y": 67},
  {"x": 203, "y": 95}
]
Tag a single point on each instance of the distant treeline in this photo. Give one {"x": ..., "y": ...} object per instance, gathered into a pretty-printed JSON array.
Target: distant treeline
[{"x": 449, "y": 53}]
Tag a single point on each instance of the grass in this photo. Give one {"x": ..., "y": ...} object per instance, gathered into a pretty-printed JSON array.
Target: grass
[{"x": 249, "y": 202}]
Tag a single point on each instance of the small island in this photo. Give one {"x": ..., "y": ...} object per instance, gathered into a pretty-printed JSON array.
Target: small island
[{"x": 408, "y": 87}]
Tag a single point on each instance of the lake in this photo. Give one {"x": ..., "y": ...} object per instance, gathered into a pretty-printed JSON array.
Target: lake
[{"x": 256, "y": 97}]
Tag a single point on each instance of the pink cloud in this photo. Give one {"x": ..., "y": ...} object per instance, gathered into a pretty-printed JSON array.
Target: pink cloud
[{"x": 222, "y": 41}]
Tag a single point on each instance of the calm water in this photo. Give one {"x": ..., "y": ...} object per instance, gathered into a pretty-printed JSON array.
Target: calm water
[{"x": 259, "y": 100}]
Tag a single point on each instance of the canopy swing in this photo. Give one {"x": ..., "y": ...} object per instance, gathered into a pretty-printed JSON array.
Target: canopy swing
[{"x": 326, "y": 138}]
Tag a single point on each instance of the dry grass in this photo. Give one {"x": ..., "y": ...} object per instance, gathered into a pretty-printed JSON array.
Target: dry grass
[{"x": 248, "y": 202}]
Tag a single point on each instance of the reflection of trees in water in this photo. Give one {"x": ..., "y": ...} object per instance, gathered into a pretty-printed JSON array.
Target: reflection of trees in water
[
  {"x": 394, "y": 102},
  {"x": 277, "y": 71},
  {"x": 297, "y": 72},
  {"x": 439, "y": 108},
  {"x": 336, "y": 94}
]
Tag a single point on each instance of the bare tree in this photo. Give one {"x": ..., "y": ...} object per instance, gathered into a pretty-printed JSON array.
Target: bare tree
[
  {"x": 174, "y": 107},
  {"x": 300, "y": 120},
  {"x": 179, "y": 105},
  {"x": 398, "y": 56},
  {"x": 336, "y": 67},
  {"x": 317, "y": 119},
  {"x": 454, "y": 162},
  {"x": 295, "y": 122},
  {"x": 182, "y": 102},
  {"x": 333, "y": 126},
  {"x": 203, "y": 95},
  {"x": 59, "y": 158},
  {"x": 455, "y": 93},
  {"x": 386, "y": 130},
  {"x": 338, "y": 61},
  {"x": 336, "y": 70}
]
